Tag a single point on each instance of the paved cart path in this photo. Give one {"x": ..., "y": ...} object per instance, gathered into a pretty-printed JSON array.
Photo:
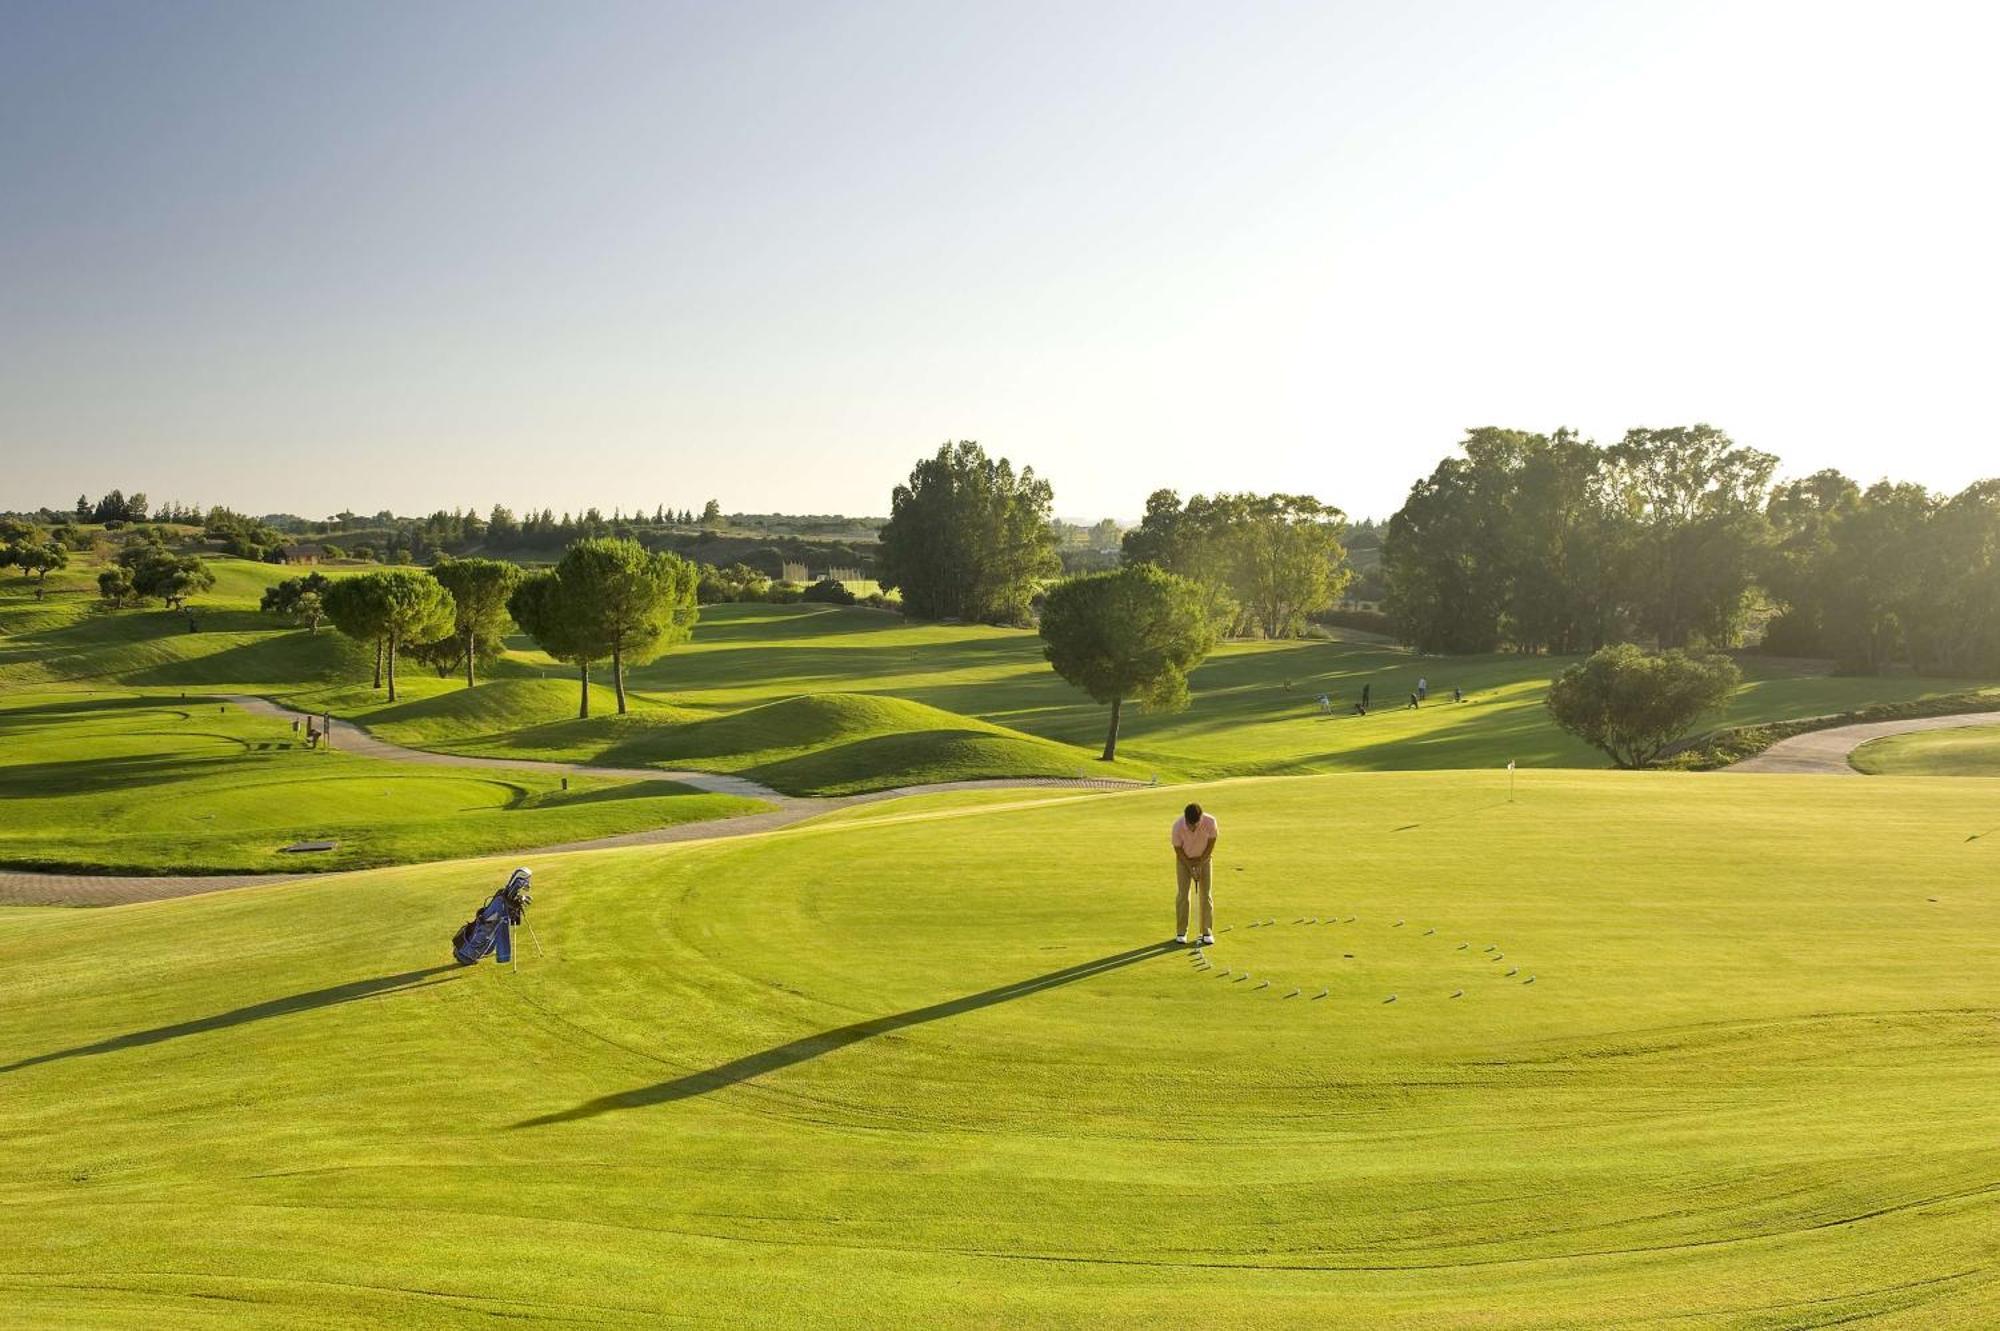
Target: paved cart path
[
  {"x": 70, "y": 889},
  {"x": 1825, "y": 752}
]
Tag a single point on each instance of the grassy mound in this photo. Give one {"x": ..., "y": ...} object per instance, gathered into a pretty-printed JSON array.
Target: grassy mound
[
  {"x": 939, "y": 1071},
  {"x": 1973, "y": 751},
  {"x": 496, "y": 707},
  {"x": 821, "y": 744}
]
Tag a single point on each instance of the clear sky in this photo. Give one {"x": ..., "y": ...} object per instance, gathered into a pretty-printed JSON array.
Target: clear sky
[{"x": 306, "y": 257}]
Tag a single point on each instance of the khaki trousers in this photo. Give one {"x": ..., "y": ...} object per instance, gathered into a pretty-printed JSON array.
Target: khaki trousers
[{"x": 1186, "y": 875}]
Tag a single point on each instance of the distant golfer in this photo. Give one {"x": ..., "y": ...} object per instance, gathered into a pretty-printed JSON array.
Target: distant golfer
[
  {"x": 1194, "y": 838},
  {"x": 1423, "y": 688}
]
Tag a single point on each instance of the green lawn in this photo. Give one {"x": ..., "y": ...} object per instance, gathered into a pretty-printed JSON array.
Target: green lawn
[
  {"x": 938, "y": 1071},
  {"x": 1972, "y": 751},
  {"x": 122, "y": 783}
]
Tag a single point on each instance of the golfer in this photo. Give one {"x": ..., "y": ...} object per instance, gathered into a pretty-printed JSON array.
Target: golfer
[{"x": 1194, "y": 838}]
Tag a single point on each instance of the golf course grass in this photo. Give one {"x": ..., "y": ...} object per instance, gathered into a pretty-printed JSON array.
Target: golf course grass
[
  {"x": 1972, "y": 751},
  {"x": 821, "y": 700},
  {"x": 118, "y": 783},
  {"x": 936, "y": 1068}
]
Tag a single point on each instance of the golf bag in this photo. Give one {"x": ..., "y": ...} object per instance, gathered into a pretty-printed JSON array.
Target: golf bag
[{"x": 492, "y": 928}]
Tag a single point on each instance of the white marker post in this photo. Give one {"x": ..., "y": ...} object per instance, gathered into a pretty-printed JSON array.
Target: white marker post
[{"x": 1510, "y": 780}]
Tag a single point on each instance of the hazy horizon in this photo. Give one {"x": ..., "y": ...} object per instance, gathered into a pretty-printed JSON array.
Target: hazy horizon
[{"x": 361, "y": 256}]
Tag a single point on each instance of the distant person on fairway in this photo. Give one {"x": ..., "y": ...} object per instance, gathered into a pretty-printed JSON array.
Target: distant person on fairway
[{"x": 1194, "y": 838}]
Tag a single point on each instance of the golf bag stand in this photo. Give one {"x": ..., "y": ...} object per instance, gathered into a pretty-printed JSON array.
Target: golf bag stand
[{"x": 491, "y": 929}]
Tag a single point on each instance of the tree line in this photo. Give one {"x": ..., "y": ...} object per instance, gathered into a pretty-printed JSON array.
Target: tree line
[{"x": 1553, "y": 543}]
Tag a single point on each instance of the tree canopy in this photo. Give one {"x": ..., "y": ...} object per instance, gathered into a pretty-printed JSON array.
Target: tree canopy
[
  {"x": 300, "y": 600},
  {"x": 968, "y": 538},
  {"x": 631, "y": 604},
  {"x": 1552, "y": 543},
  {"x": 479, "y": 591},
  {"x": 1887, "y": 574},
  {"x": 1131, "y": 633},
  {"x": 415, "y": 609},
  {"x": 1263, "y": 562},
  {"x": 555, "y": 623},
  {"x": 157, "y": 571},
  {"x": 359, "y": 608}
]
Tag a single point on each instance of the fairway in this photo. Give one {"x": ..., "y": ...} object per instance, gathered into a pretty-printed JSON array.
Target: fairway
[{"x": 931, "y": 1065}]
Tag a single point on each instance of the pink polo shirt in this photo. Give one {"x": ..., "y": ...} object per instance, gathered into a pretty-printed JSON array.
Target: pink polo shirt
[{"x": 1194, "y": 841}]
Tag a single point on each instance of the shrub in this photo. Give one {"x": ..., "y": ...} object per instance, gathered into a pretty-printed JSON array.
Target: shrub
[
  {"x": 1633, "y": 705},
  {"x": 828, "y": 591}
]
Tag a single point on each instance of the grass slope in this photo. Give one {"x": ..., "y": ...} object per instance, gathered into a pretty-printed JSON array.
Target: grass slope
[
  {"x": 934, "y": 1070},
  {"x": 822, "y": 744},
  {"x": 130, "y": 784},
  {"x": 1973, "y": 751}
]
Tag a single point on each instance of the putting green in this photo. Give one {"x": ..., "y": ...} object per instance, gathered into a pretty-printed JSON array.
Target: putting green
[
  {"x": 1970, "y": 751},
  {"x": 933, "y": 1067},
  {"x": 115, "y": 782}
]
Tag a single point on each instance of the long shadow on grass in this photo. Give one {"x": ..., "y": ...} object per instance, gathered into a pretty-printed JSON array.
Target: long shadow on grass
[
  {"x": 807, "y": 1048},
  {"x": 276, "y": 1007}
]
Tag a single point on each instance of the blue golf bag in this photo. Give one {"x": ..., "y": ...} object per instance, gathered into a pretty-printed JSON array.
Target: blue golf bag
[{"x": 492, "y": 928}]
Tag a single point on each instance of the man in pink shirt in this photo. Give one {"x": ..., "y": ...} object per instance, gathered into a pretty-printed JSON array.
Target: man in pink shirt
[{"x": 1194, "y": 838}]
